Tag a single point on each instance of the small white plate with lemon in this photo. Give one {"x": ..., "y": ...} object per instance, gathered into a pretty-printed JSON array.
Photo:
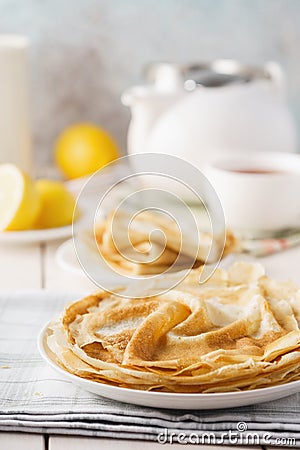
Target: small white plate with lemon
[
  {"x": 33, "y": 211},
  {"x": 42, "y": 210}
]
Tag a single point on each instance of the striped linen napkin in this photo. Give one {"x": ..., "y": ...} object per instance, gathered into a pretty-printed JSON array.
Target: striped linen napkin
[
  {"x": 34, "y": 398},
  {"x": 265, "y": 247}
]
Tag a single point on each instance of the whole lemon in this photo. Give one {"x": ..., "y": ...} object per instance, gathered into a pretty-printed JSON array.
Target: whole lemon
[
  {"x": 83, "y": 148},
  {"x": 57, "y": 204}
]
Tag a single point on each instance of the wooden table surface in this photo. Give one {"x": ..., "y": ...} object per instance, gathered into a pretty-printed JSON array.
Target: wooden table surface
[{"x": 34, "y": 267}]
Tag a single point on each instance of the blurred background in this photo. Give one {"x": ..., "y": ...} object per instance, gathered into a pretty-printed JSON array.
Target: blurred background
[{"x": 85, "y": 53}]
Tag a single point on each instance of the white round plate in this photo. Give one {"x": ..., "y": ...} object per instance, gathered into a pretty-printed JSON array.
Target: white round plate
[
  {"x": 35, "y": 236},
  {"x": 45, "y": 235},
  {"x": 66, "y": 258},
  {"x": 165, "y": 399},
  {"x": 94, "y": 267}
]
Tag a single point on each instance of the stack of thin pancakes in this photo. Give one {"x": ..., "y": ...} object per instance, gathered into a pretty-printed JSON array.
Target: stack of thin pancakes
[
  {"x": 125, "y": 244},
  {"x": 237, "y": 331}
]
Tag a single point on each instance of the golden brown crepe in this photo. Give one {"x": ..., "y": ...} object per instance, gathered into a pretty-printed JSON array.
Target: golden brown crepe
[
  {"x": 237, "y": 331},
  {"x": 125, "y": 244}
]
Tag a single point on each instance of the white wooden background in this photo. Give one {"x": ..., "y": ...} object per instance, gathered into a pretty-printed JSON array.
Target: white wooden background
[{"x": 34, "y": 267}]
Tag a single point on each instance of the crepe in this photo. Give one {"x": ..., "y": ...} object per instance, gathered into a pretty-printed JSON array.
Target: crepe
[
  {"x": 153, "y": 243},
  {"x": 237, "y": 331}
]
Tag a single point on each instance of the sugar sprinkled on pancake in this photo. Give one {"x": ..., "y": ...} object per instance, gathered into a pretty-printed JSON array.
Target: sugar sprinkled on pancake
[{"x": 238, "y": 331}]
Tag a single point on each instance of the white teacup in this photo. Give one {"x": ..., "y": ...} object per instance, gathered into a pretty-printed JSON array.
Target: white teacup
[{"x": 259, "y": 192}]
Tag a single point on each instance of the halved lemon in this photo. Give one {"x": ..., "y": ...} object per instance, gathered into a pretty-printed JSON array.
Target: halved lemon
[
  {"x": 57, "y": 204},
  {"x": 19, "y": 199}
]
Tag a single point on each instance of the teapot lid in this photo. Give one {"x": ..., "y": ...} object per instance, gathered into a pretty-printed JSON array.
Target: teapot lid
[{"x": 217, "y": 73}]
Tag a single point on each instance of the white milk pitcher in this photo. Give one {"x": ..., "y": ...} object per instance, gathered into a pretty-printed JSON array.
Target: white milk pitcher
[{"x": 15, "y": 135}]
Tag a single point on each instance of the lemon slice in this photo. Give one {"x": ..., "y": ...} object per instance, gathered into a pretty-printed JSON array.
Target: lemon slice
[
  {"x": 57, "y": 204},
  {"x": 19, "y": 199}
]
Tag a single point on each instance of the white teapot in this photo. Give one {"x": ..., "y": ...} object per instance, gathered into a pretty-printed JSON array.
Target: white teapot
[{"x": 197, "y": 111}]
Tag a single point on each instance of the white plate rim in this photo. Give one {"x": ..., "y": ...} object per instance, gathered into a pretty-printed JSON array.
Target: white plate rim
[
  {"x": 166, "y": 400},
  {"x": 31, "y": 236},
  {"x": 42, "y": 235},
  {"x": 62, "y": 261}
]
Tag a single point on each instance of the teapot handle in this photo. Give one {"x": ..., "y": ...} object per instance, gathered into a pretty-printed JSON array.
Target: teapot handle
[
  {"x": 275, "y": 71},
  {"x": 167, "y": 77}
]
